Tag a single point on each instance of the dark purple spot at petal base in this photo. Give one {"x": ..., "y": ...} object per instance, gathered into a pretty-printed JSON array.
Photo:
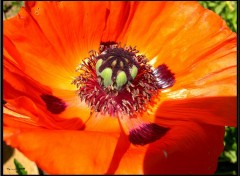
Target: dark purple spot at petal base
[
  {"x": 146, "y": 133},
  {"x": 4, "y": 102},
  {"x": 164, "y": 77},
  {"x": 54, "y": 104},
  {"x": 105, "y": 45}
]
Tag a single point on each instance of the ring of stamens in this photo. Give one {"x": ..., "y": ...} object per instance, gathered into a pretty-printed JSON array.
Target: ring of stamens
[{"x": 131, "y": 97}]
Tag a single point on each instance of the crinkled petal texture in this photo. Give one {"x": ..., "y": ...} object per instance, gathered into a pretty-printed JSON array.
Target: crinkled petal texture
[{"x": 46, "y": 40}]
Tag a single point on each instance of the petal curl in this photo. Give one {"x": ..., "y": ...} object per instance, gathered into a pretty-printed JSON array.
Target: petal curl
[
  {"x": 24, "y": 94},
  {"x": 220, "y": 111}
]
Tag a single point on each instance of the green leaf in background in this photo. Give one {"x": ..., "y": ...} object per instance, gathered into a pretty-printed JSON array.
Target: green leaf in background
[
  {"x": 226, "y": 9},
  {"x": 11, "y": 8},
  {"x": 19, "y": 168}
]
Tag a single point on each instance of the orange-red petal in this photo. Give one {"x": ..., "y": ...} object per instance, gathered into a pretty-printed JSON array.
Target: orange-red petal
[
  {"x": 65, "y": 152},
  {"x": 23, "y": 95},
  {"x": 119, "y": 17},
  {"x": 54, "y": 37},
  {"x": 175, "y": 31},
  {"x": 187, "y": 148},
  {"x": 198, "y": 47},
  {"x": 210, "y": 110},
  {"x": 193, "y": 42}
]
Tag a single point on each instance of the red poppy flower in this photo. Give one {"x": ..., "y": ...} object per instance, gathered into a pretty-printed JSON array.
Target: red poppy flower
[{"x": 152, "y": 96}]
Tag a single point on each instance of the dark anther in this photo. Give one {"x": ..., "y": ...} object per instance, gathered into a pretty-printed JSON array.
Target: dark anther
[
  {"x": 54, "y": 104},
  {"x": 146, "y": 133},
  {"x": 164, "y": 77}
]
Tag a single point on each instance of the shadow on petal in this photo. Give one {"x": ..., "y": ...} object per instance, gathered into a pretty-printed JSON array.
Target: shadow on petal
[{"x": 186, "y": 149}]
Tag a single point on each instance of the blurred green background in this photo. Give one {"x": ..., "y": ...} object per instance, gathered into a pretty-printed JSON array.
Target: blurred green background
[{"x": 227, "y": 163}]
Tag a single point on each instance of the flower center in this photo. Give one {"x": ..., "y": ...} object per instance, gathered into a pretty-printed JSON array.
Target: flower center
[
  {"x": 117, "y": 80},
  {"x": 116, "y": 67}
]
